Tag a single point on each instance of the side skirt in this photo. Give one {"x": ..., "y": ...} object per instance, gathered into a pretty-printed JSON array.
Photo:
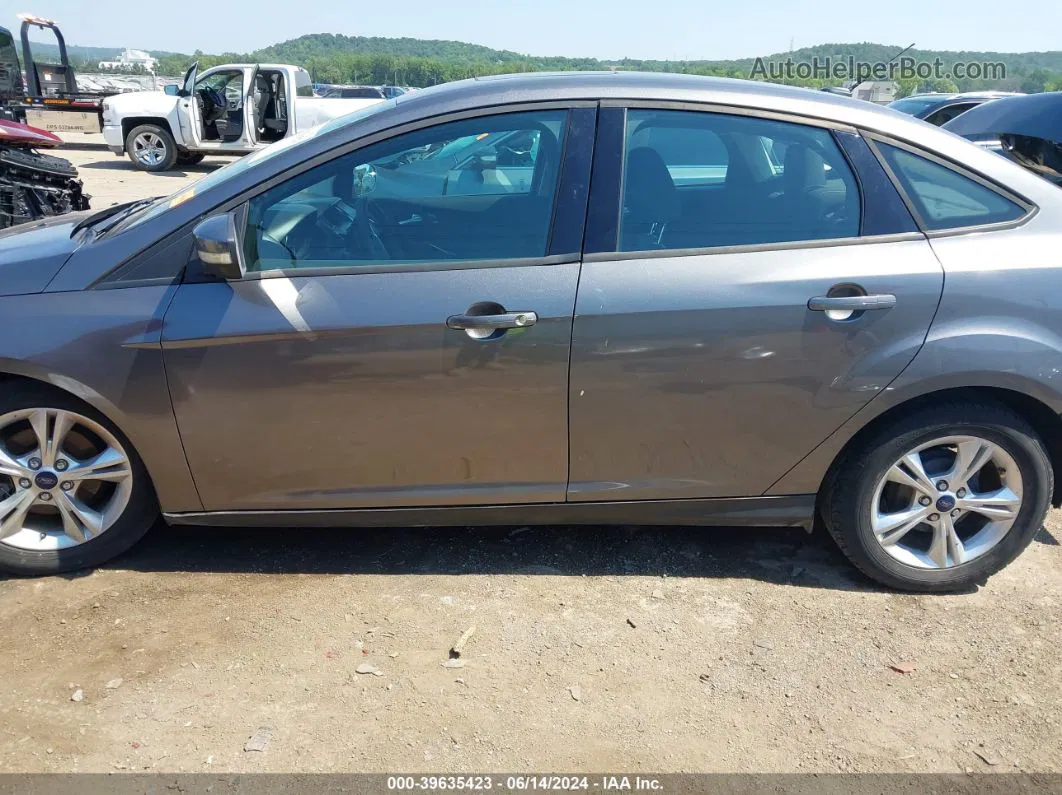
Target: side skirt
[{"x": 793, "y": 511}]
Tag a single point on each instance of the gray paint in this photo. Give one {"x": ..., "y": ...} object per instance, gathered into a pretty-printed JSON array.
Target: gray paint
[
  {"x": 32, "y": 254},
  {"x": 708, "y": 376},
  {"x": 339, "y": 391},
  {"x": 999, "y": 326},
  {"x": 349, "y": 391},
  {"x": 103, "y": 347}
]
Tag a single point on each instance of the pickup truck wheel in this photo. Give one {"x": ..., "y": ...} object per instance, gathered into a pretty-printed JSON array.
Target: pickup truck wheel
[
  {"x": 189, "y": 159},
  {"x": 151, "y": 148}
]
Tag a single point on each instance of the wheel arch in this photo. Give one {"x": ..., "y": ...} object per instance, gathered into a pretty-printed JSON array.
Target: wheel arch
[
  {"x": 81, "y": 393},
  {"x": 132, "y": 122},
  {"x": 1044, "y": 420}
]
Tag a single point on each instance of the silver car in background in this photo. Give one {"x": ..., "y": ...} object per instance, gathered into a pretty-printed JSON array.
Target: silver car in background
[{"x": 664, "y": 300}]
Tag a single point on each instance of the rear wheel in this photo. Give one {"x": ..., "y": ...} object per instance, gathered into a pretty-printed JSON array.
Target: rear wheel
[
  {"x": 943, "y": 498},
  {"x": 73, "y": 492},
  {"x": 151, "y": 148}
]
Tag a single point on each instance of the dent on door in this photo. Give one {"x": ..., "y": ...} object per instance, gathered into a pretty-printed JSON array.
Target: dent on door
[{"x": 710, "y": 376}]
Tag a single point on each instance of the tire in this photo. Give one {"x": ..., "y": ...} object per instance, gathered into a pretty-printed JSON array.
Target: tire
[
  {"x": 162, "y": 144},
  {"x": 189, "y": 159},
  {"x": 852, "y": 493},
  {"x": 129, "y": 526}
]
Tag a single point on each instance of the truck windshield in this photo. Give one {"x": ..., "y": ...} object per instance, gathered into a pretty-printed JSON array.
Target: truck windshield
[{"x": 237, "y": 167}]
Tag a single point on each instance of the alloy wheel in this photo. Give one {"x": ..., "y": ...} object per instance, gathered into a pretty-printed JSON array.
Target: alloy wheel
[
  {"x": 946, "y": 502},
  {"x": 149, "y": 149},
  {"x": 64, "y": 479}
]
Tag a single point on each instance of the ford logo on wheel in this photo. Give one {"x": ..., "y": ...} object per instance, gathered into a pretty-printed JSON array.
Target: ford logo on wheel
[{"x": 46, "y": 480}]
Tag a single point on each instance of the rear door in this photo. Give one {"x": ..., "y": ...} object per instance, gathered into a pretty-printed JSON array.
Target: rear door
[
  {"x": 732, "y": 314},
  {"x": 389, "y": 349}
]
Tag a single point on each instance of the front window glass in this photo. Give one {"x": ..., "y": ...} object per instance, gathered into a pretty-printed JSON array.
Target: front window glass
[
  {"x": 481, "y": 189},
  {"x": 697, "y": 180},
  {"x": 226, "y": 84}
]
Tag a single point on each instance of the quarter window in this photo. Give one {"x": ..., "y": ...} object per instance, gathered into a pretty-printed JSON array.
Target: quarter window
[
  {"x": 696, "y": 180},
  {"x": 479, "y": 189},
  {"x": 945, "y": 198}
]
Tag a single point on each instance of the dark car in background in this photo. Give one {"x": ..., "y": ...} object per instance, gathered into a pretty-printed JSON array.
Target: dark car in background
[
  {"x": 939, "y": 109},
  {"x": 354, "y": 92},
  {"x": 612, "y": 298},
  {"x": 1025, "y": 129}
]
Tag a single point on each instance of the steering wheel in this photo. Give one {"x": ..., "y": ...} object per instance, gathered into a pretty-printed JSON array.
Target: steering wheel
[{"x": 368, "y": 229}]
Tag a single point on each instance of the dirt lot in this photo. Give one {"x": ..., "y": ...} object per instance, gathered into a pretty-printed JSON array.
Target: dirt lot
[{"x": 594, "y": 649}]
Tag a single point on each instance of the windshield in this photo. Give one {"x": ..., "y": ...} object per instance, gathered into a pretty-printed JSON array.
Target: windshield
[
  {"x": 914, "y": 105},
  {"x": 237, "y": 167}
]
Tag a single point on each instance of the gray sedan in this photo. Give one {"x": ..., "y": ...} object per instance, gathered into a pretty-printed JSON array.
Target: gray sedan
[{"x": 627, "y": 299}]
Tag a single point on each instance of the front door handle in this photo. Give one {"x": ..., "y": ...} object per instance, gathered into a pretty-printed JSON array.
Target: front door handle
[
  {"x": 492, "y": 322},
  {"x": 851, "y": 303}
]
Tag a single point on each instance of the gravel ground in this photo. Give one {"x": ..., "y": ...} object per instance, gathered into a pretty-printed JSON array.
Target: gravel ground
[{"x": 594, "y": 649}]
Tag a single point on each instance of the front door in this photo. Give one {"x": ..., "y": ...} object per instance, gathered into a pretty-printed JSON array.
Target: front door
[
  {"x": 745, "y": 310},
  {"x": 397, "y": 341},
  {"x": 217, "y": 111}
]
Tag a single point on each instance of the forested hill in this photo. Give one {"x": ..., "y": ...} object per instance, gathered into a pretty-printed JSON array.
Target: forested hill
[{"x": 337, "y": 58}]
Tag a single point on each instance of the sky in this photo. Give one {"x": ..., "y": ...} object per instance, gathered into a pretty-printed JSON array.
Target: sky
[{"x": 607, "y": 29}]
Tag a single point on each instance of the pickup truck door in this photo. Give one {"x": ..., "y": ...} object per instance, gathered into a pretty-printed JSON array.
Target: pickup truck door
[
  {"x": 187, "y": 109},
  {"x": 250, "y": 126}
]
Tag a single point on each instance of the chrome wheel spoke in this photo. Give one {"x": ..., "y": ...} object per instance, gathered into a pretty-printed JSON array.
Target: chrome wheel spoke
[
  {"x": 9, "y": 465},
  {"x": 109, "y": 465},
  {"x": 50, "y": 427},
  {"x": 909, "y": 471},
  {"x": 999, "y": 506},
  {"x": 61, "y": 427},
  {"x": 956, "y": 549},
  {"x": 13, "y": 512},
  {"x": 938, "y": 549},
  {"x": 79, "y": 521},
  {"x": 38, "y": 421},
  {"x": 970, "y": 458},
  {"x": 891, "y": 527}
]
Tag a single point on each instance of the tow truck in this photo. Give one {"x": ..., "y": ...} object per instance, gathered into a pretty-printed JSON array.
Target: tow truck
[{"x": 48, "y": 99}]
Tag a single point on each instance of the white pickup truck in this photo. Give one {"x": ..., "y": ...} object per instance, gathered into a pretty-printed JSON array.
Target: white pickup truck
[{"x": 230, "y": 109}]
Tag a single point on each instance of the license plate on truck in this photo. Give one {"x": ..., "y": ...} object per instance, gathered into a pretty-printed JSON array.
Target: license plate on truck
[{"x": 64, "y": 120}]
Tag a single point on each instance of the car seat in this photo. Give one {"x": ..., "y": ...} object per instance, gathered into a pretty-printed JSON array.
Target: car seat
[{"x": 650, "y": 200}]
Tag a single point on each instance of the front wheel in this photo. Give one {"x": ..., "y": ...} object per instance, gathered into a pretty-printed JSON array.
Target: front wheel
[
  {"x": 941, "y": 499},
  {"x": 151, "y": 148},
  {"x": 73, "y": 492},
  {"x": 189, "y": 158}
]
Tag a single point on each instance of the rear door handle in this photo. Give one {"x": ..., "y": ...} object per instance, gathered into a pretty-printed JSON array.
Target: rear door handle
[
  {"x": 852, "y": 303},
  {"x": 492, "y": 322}
]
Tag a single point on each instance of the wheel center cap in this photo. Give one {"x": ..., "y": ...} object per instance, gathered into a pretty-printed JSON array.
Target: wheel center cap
[
  {"x": 46, "y": 480},
  {"x": 944, "y": 504}
]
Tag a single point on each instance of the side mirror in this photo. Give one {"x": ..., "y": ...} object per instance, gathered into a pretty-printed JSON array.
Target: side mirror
[
  {"x": 172, "y": 89},
  {"x": 218, "y": 247}
]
